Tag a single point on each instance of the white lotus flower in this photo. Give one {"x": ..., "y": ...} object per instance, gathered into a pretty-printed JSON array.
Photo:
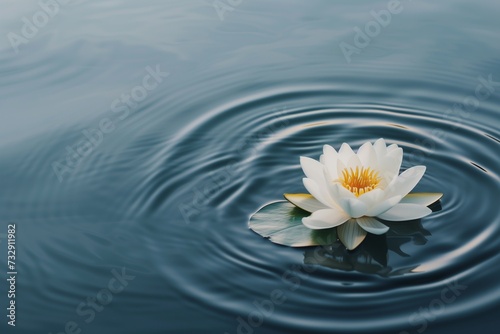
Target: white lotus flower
[{"x": 350, "y": 189}]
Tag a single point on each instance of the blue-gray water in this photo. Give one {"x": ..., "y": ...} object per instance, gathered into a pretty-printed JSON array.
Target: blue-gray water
[{"x": 164, "y": 196}]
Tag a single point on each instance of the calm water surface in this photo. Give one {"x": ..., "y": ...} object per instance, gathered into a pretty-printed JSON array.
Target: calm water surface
[{"x": 136, "y": 139}]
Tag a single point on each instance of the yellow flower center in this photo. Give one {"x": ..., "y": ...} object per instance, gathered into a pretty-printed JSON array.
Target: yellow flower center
[{"x": 359, "y": 180}]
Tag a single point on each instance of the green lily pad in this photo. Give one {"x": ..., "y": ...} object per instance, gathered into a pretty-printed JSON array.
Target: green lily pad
[{"x": 281, "y": 222}]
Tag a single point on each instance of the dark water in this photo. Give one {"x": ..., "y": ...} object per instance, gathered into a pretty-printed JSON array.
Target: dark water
[{"x": 163, "y": 198}]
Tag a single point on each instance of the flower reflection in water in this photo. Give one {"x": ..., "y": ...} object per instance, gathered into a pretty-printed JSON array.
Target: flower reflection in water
[{"x": 371, "y": 257}]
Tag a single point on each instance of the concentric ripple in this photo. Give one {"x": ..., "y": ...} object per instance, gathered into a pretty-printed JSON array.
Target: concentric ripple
[
  {"x": 255, "y": 161},
  {"x": 167, "y": 195}
]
